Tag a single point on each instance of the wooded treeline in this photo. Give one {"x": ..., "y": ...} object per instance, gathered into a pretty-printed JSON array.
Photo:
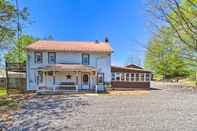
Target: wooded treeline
[{"x": 172, "y": 50}]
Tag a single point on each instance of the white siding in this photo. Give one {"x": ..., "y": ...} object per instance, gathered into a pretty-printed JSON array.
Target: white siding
[
  {"x": 102, "y": 62},
  {"x": 62, "y": 57}
]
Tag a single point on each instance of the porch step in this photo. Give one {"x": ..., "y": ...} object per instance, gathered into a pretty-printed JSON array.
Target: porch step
[{"x": 61, "y": 92}]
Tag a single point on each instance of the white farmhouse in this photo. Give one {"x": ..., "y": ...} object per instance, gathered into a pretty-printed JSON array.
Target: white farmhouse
[{"x": 69, "y": 65}]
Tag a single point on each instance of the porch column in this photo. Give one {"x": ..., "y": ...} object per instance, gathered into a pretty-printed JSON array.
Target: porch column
[
  {"x": 36, "y": 79},
  {"x": 125, "y": 76},
  {"x": 77, "y": 79},
  {"x": 96, "y": 87},
  {"x": 140, "y": 77},
  {"x": 54, "y": 81},
  {"x": 135, "y": 77},
  {"x": 130, "y": 77},
  {"x": 144, "y": 76}
]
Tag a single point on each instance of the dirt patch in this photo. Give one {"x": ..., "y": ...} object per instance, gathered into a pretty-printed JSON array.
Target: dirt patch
[
  {"x": 128, "y": 93},
  {"x": 116, "y": 93}
]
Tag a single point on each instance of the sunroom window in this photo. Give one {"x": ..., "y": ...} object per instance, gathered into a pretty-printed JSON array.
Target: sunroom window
[
  {"x": 142, "y": 76},
  {"x": 113, "y": 76},
  {"x": 137, "y": 77},
  {"x": 127, "y": 76},
  {"x": 132, "y": 77},
  {"x": 117, "y": 76},
  {"x": 147, "y": 77}
]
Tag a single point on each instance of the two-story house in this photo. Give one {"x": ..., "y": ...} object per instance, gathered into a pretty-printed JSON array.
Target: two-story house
[{"x": 69, "y": 65}]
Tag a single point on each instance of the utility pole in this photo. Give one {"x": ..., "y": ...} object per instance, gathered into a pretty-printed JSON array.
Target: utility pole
[
  {"x": 18, "y": 30},
  {"x": 18, "y": 41}
]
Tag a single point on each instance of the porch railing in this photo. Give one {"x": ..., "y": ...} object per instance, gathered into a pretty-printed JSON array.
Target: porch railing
[{"x": 59, "y": 88}]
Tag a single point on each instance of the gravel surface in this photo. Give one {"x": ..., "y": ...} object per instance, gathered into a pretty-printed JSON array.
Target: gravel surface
[{"x": 169, "y": 107}]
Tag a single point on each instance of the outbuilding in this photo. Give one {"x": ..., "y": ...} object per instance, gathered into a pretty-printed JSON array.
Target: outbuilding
[{"x": 130, "y": 77}]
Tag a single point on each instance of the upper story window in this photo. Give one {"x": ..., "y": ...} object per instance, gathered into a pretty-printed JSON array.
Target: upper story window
[
  {"x": 38, "y": 57},
  {"x": 85, "y": 59},
  {"x": 51, "y": 57}
]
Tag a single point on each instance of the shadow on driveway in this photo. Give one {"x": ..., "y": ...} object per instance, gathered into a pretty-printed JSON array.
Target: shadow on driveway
[{"x": 45, "y": 113}]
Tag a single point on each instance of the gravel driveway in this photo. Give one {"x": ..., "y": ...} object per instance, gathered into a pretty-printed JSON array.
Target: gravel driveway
[{"x": 170, "y": 107}]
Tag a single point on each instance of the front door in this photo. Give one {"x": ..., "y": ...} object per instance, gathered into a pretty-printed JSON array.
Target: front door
[{"x": 85, "y": 81}]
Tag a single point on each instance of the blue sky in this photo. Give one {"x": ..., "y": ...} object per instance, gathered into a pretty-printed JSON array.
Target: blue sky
[{"x": 122, "y": 21}]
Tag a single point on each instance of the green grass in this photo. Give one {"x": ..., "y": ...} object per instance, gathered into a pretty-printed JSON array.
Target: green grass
[
  {"x": 2, "y": 91},
  {"x": 188, "y": 82},
  {"x": 8, "y": 104}
]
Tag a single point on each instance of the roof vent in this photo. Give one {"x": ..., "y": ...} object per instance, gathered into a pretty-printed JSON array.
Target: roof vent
[{"x": 97, "y": 41}]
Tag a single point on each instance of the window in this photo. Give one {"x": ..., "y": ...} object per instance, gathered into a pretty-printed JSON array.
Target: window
[
  {"x": 38, "y": 57},
  {"x": 50, "y": 73},
  {"x": 142, "y": 77},
  {"x": 122, "y": 76},
  {"x": 40, "y": 77},
  {"x": 127, "y": 76},
  {"x": 100, "y": 78},
  {"x": 51, "y": 57},
  {"x": 117, "y": 76},
  {"x": 132, "y": 77},
  {"x": 113, "y": 76},
  {"x": 147, "y": 77},
  {"x": 137, "y": 77},
  {"x": 85, "y": 59},
  {"x": 85, "y": 79}
]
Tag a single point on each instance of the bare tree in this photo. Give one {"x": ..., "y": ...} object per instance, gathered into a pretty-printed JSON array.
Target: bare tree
[{"x": 181, "y": 17}]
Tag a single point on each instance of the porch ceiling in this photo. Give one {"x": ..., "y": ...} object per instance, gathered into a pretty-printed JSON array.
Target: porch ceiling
[{"x": 66, "y": 67}]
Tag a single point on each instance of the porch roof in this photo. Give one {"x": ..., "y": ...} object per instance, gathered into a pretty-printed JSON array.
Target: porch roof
[{"x": 66, "y": 67}]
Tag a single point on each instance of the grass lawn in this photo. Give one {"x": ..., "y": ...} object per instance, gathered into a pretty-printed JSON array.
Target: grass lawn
[
  {"x": 188, "y": 82},
  {"x": 2, "y": 91},
  {"x": 6, "y": 103}
]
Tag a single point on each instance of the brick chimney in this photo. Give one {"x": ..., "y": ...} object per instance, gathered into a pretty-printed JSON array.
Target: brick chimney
[{"x": 106, "y": 40}]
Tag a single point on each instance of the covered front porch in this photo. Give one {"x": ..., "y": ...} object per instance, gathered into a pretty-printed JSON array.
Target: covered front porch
[{"x": 67, "y": 77}]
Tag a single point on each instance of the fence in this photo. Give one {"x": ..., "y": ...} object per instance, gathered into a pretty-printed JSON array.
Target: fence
[{"x": 16, "y": 76}]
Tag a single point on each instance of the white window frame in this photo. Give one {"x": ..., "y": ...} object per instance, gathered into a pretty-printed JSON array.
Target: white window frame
[
  {"x": 51, "y": 57},
  {"x": 86, "y": 56},
  {"x": 38, "y": 57}
]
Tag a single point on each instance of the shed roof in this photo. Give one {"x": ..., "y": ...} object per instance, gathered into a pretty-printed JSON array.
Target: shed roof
[{"x": 128, "y": 69}]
